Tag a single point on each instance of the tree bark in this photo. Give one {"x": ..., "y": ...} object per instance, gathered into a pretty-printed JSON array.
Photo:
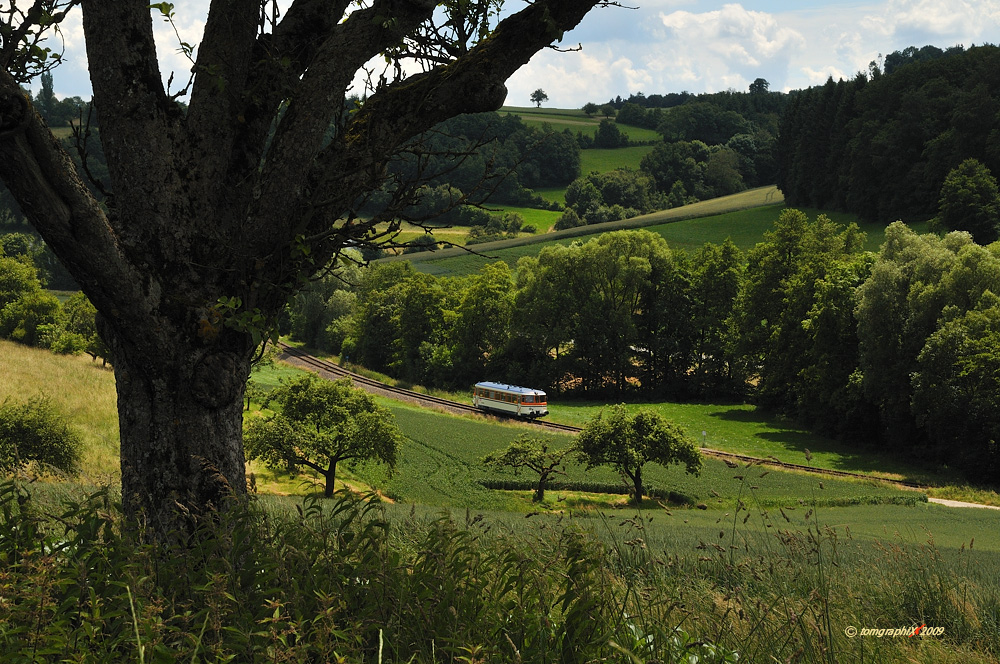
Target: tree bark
[
  {"x": 178, "y": 421},
  {"x": 637, "y": 485},
  {"x": 331, "y": 479}
]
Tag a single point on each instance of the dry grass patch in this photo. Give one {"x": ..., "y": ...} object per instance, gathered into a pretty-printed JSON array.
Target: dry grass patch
[{"x": 82, "y": 390}]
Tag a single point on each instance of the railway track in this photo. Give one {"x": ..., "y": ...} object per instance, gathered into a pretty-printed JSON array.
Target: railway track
[{"x": 328, "y": 369}]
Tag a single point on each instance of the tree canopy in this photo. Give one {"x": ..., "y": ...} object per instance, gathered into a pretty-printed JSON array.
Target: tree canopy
[
  {"x": 219, "y": 209},
  {"x": 970, "y": 201},
  {"x": 628, "y": 441},
  {"x": 320, "y": 424}
]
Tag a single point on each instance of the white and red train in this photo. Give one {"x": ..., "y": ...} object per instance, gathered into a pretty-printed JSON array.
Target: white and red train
[{"x": 510, "y": 399}]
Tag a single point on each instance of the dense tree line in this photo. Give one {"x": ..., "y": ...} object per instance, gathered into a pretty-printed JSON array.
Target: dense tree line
[
  {"x": 548, "y": 324},
  {"x": 58, "y": 112},
  {"x": 882, "y": 144},
  {"x": 897, "y": 348}
]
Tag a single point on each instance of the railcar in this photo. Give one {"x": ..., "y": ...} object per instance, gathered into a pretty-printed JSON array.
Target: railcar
[{"x": 510, "y": 399}]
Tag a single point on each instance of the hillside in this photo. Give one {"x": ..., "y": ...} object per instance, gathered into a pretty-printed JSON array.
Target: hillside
[
  {"x": 457, "y": 260},
  {"x": 574, "y": 120}
]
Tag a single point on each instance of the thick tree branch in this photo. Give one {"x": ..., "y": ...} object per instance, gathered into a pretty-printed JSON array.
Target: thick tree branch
[
  {"x": 44, "y": 181},
  {"x": 473, "y": 83},
  {"x": 316, "y": 101},
  {"x": 138, "y": 121},
  {"x": 225, "y": 61}
]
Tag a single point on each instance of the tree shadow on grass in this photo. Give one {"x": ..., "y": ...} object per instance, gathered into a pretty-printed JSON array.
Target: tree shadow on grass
[{"x": 860, "y": 458}]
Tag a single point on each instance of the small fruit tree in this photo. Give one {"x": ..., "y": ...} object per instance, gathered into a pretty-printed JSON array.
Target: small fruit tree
[
  {"x": 320, "y": 424},
  {"x": 627, "y": 442},
  {"x": 531, "y": 453}
]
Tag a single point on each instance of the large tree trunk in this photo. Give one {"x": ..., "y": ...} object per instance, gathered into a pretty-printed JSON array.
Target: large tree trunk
[
  {"x": 180, "y": 417},
  {"x": 239, "y": 195}
]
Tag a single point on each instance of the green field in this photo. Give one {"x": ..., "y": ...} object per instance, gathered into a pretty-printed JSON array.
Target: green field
[
  {"x": 439, "y": 463},
  {"x": 740, "y": 428},
  {"x": 575, "y": 121},
  {"x": 603, "y": 160},
  {"x": 542, "y": 220},
  {"x": 440, "y": 466},
  {"x": 451, "y": 262},
  {"x": 686, "y": 228},
  {"x": 439, "y": 469}
]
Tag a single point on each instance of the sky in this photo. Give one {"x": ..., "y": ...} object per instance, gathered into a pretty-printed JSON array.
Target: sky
[{"x": 661, "y": 46}]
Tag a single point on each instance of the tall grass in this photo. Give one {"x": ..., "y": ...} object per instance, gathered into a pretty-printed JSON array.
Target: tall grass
[{"x": 347, "y": 581}]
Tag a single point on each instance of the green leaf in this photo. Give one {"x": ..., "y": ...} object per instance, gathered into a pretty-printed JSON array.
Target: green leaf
[{"x": 166, "y": 9}]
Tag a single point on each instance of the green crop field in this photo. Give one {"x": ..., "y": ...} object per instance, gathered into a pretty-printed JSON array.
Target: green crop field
[
  {"x": 747, "y": 227},
  {"x": 454, "y": 262},
  {"x": 742, "y": 218},
  {"x": 603, "y": 160},
  {"x": 740, "y": 428},
  {"x": 440, "y": 466},
  {"x": 575, "y": 121}
]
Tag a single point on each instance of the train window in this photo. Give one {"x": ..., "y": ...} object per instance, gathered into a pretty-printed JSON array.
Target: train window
[{"x": 529, "y": 398}]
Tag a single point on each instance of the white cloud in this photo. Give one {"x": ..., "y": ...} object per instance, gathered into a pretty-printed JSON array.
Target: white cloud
[
  {"x": 674, "y": 45},
  {"x": 936, "y": 19},
  {"x": 594, "y": 72},
  {"x": 743, "y": 36},
  {"x": 820, "y": 76}
]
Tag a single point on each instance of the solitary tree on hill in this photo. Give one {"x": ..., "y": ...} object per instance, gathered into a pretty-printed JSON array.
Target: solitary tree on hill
[
  {"x": 538, "y": 96},
  {"x": 628, "y": 442},
  {"x": 322, "y": 423},
  {"x": 218, "y": 210}
]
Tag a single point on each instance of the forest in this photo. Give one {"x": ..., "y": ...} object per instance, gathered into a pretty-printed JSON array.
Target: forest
[
  {"x": 881, "y": 144},
  {"x": 897, "y": 348}
]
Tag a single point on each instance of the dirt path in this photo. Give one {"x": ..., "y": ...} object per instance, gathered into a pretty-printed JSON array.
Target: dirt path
[{"x": 958, "y": 503}]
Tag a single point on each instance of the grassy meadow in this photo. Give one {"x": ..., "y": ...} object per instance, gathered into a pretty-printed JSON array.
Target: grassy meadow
[
  {"x": 457, "y": 261},
  {"x": 754, "y": 560},
  {"x": 82, "y": 390},
  {"x": 742, "y": 218},
  {"x": 602, "y": 160},
  {"x": 575, "y": 120}
]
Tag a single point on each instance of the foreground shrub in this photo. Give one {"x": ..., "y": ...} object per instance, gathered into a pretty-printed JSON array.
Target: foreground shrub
[{"x": 34, "y": 431}]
